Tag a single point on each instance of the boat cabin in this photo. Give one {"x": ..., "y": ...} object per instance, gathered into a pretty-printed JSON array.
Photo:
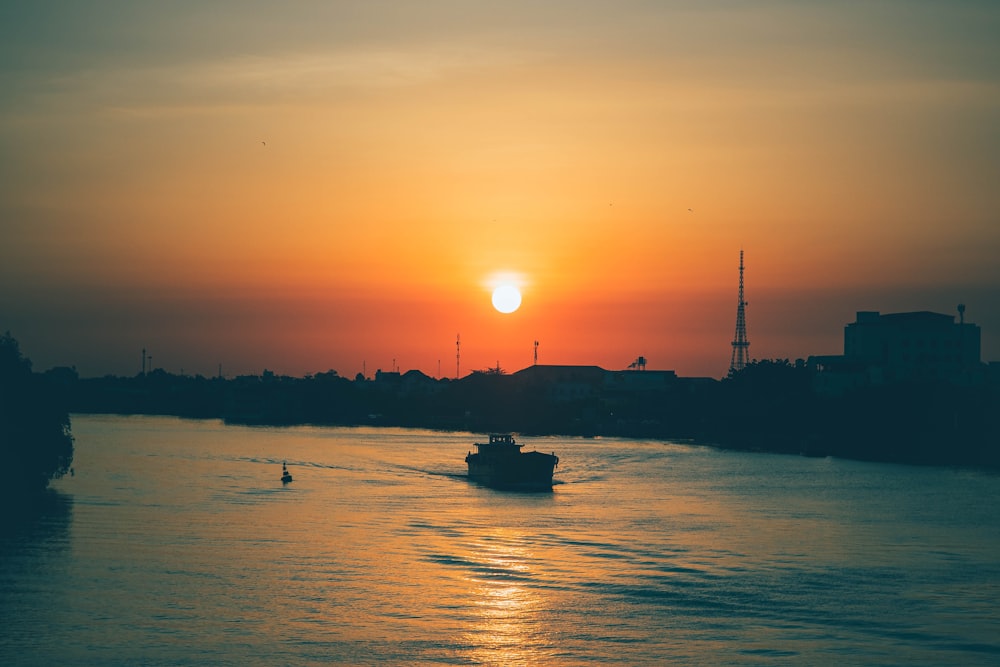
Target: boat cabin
[{"x": 499, "y": 442}]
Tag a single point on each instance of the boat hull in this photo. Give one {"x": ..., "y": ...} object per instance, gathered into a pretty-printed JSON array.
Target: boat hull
[{"x": 531, "y": 471}]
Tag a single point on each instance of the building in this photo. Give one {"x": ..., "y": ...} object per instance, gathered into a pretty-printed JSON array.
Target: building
[
  {"x": 902, "y": 347},
  {"x": 564, "y": 384},
  {"x": 410, "y": 383}
]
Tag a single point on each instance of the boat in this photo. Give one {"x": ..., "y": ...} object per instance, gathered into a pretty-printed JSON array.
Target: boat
[
  {"x": 500, "y": 464},
  {"x": 286, "y": 476}
]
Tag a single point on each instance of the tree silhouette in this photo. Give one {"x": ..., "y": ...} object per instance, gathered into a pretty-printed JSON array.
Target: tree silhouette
[{"x": 35, "y": 439}]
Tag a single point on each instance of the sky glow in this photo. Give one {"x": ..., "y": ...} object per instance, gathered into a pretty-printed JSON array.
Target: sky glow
[{"x": 320, "y": 185}]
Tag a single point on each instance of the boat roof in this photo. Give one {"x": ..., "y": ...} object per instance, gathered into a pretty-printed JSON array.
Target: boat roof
[{"x": 501, "y": 439}]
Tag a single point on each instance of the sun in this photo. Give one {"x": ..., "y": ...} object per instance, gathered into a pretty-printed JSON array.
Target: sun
[{"x": 506, "y": 298}]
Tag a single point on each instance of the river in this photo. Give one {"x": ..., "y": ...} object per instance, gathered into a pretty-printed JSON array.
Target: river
[{"x": 175, "y": 543}]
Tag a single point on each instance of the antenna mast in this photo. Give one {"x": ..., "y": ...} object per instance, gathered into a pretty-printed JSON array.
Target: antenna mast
[
  {"x": 740, "y": 343},
  {"x": 536, "y": 352},
  {"x": 458, "y": 356}
]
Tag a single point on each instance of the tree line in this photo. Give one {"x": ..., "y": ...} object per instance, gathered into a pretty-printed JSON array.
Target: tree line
[{"x": 768, "y": 406}]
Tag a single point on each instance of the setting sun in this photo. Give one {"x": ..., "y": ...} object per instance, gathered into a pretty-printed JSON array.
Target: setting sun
[{"x": 506, "y": 298}]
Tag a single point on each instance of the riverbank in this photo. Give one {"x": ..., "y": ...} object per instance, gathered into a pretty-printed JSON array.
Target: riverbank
[{"x": 925, "y": 424}]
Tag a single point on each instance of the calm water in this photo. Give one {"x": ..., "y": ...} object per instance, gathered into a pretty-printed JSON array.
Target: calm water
[{"x": 175, "y": 543}]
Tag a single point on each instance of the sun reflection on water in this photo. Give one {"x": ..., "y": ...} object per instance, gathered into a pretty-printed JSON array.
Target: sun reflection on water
[{"x": 508, "y": 608}]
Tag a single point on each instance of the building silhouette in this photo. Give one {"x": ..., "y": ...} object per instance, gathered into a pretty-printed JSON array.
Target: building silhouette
[{"x": 903, "y": 347}]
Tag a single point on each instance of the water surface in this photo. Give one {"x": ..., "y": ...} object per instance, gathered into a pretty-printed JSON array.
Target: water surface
[{"x": 176, "y": 543}]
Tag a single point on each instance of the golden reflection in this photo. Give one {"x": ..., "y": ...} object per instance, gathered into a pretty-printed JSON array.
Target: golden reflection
[{"x": 509, "y": 608}]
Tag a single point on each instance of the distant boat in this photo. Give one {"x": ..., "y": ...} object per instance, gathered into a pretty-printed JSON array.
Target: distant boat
[
  {"x": 286, "y": 476},
  {"x": 501, "y": 464}
]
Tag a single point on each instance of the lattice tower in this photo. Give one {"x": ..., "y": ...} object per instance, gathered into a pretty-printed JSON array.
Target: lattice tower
[{"x": 740, "y": 343}]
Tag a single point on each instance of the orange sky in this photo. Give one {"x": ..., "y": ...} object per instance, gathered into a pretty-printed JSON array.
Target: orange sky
[{"x": 334, "y": 185}]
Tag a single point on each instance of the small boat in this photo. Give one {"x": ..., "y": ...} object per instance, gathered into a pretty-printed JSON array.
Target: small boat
[
  {"x": 500, "y": 464},
  {"x": 286, "y": 476}
]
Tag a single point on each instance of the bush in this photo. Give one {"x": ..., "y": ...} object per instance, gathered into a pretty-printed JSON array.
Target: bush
[{"x": 35, "y": 438}]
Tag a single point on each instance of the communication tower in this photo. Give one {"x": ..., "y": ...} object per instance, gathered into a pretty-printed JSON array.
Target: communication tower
[
  {"x": 458, "y": 355},
  {"x": 536, "y": 352},
  {"x": 740, "y": 343}
]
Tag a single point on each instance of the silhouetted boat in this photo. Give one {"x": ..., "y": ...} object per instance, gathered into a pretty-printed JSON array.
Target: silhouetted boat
[
  {"x": 286, "y": 476},
  {"x": 501, "y": 464}
]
